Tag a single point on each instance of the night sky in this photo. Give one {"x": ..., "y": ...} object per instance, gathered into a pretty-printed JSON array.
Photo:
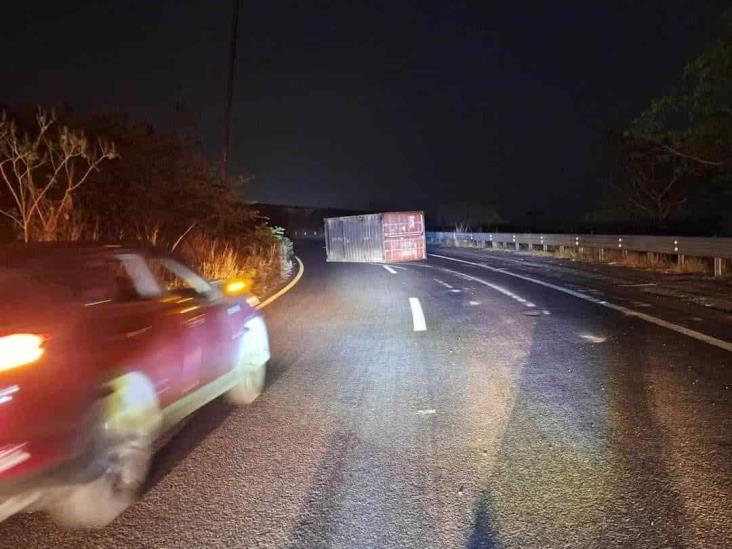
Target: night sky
[{"x": 400, "y": 104}]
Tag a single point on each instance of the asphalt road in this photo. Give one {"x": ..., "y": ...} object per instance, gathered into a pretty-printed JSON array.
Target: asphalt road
[{"x": 520, "y": 416}]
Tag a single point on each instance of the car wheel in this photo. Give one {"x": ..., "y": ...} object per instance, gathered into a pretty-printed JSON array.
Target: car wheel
[
  {"x": 249, "y": 387},
  {"x": 128, "y": 421},
  {"x": 95, "y": 504}
]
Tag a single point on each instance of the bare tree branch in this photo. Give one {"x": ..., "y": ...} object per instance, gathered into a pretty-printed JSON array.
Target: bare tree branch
[
  {"x": 32, "y": 168},
  {"x": 181, "y": 237},
  {"x": 11, "y": 216},
  {"x": 8, "y": 183},
  {"x": 676, "y": 152}
]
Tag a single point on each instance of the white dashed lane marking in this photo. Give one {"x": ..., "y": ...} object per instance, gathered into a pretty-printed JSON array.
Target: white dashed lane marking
[
  {"x": 443, "y": 284},
  {"x": 711, "y": 340},
  {"x": 495, "y": 287},
  {"x": 417, "y": 315}
]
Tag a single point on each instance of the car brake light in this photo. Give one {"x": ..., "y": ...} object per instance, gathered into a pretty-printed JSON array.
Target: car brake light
[{"x": 19, "y": 349}]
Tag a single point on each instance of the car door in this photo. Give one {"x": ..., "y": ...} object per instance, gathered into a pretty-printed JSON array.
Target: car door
[
  {"x": 127, "y": 328},
  {"x": 198, "y": 309}
]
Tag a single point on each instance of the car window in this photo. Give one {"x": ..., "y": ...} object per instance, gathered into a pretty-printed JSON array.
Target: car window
[
  {"x": 176, "y": 277},
  {"x": 90, "y": 278},
  {"x": 134, "y": 272}
]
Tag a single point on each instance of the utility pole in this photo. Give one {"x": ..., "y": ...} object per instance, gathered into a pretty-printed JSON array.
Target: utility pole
[{"x": 230, "y": 92}]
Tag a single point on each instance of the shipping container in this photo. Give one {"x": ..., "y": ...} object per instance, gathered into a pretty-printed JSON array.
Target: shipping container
[{"x": 376, "y": 238}]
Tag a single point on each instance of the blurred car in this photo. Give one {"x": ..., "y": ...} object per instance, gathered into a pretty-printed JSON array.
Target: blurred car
[{"x": 102, "y": 348}]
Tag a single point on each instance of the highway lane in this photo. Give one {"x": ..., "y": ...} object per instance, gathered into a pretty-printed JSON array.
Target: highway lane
[
  {"x": 687, "y": 301},
  {"x": 518, "y": 417}
]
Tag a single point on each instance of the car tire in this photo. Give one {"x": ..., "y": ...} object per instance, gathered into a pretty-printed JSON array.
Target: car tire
[
  {"x": 124, "y": 465},
  {"x": 249, "y": 387},
  {"x": 128, "y": 421}
]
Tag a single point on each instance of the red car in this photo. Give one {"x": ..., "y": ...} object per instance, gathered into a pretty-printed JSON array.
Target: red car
[{"x": 102, "y": 348}]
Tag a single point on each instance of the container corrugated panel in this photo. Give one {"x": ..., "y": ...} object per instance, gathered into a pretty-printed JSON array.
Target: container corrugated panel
[
  {"x": 376, "y": 238},
  {"x": 354, "y": 238}
]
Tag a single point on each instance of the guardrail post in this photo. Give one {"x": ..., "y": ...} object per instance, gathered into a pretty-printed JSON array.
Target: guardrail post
[
  {"x": 680, "y": 260},
  {"x": 602, "y": 254},
  {"x": 719, "y": 266},
  {"x": 651, "y": 256}
]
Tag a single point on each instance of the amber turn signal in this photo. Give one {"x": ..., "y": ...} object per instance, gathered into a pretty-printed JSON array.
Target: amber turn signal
[{"x": 236, "y": 286}]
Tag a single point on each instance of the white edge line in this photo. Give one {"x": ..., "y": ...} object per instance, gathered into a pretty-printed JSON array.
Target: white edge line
[
  {"x": 417, "y": 315},
  {"x": 710, "y": 340},
  {"x": 392, "y": 271}
]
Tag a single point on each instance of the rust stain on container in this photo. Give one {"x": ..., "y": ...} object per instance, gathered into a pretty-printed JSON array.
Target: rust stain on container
[{"x": 388, "y": 237}]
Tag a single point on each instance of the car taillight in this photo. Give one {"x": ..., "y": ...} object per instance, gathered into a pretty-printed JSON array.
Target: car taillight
[{"x": 19, "y": 349}]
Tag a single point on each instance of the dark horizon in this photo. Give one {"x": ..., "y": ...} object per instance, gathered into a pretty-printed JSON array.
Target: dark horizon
[{"x": 370, "y": 107}]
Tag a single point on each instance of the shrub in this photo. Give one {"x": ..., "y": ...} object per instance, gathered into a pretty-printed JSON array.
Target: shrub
[
  {"x": 266, "y": 261},
  {"x": 153, "y": 187}
]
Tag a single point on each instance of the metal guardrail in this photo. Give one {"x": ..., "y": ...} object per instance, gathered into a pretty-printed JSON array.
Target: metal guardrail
[{"x": 720, "y": 249}]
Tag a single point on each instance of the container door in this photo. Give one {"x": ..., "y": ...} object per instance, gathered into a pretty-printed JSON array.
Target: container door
[{"x": 404, "y": 238}]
